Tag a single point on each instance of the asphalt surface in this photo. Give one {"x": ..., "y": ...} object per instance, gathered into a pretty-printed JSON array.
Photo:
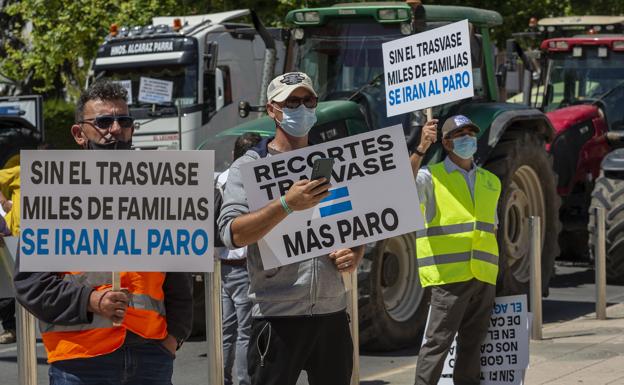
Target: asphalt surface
[{"x": 571, "y": 296}]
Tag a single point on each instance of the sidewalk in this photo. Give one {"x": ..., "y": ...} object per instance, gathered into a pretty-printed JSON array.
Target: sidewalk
[{"x": 581, "y": 351}]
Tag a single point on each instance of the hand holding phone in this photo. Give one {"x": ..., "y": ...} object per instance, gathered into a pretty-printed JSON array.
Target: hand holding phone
[{"x": 322, "y": 168}]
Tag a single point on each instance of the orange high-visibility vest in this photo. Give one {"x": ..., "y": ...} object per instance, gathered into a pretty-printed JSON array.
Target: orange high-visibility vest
[{"x": 145, "y": 316}]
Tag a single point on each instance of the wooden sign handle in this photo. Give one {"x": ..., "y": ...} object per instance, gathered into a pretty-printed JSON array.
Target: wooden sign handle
[{"x": 116, "y": 287}]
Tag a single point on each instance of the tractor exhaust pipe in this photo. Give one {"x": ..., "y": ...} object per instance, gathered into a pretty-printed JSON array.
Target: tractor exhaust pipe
[{"x": 270, "y": 55}]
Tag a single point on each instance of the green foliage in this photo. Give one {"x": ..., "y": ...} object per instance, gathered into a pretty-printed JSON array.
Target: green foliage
[
  {"x": 65, "y": 34},
  {"x": 58, "y": 117}
]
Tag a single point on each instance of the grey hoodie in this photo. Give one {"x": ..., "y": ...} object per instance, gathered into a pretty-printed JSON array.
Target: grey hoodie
[{"x": 307, "y": 288}]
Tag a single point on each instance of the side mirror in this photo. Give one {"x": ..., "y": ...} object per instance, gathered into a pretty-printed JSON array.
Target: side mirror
[
  {"x": 210, "y": 56},
  {"x": 243, "y": 109},
  {"x": 219, "y": 89}
]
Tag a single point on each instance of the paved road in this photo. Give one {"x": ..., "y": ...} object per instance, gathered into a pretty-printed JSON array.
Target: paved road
[{"x": 571, "y": 295}]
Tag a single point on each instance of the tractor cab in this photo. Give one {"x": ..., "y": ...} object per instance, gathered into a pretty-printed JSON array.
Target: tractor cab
[
  {"x": 340, "y": 48},
  {"x": 583, "y": 83}
]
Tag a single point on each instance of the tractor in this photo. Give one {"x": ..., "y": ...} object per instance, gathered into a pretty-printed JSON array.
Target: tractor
[
  {"x": 340, "y": 48},
  {"x": 583, "y": 90}
]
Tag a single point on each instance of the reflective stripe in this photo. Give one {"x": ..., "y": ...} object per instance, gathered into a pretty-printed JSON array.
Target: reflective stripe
[
  {"x": 137, "y": 301},
  {"x": 485, "y": 257},
  {"x": 145, "y": 302},
  {"x": 455, "y": 229},
  {"x": 445, "y": 230},
  {"x": 90, "y": 279},
  {"x": 444, "y": 258},
  {"x": 457, "y": 257},
  {"x": 99, "y": 322},
  {"x": 487, "y": 227}
]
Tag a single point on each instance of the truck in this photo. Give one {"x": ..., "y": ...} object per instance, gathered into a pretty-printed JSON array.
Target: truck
[
  {"x": 21, "y": 127},
  {"x": 183, "y": 74},
  {"x": 340, "y": 48}
]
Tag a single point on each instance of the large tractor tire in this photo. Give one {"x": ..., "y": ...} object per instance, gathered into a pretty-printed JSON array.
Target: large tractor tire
[
  {"x": 392, "y": 305},
  {"x": 609, "y": 194},
  {"x": 529, "y": 188}
]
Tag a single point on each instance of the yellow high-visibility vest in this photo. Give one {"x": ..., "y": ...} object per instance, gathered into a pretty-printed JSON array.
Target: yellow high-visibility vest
[{"x": 459, "y": 243}]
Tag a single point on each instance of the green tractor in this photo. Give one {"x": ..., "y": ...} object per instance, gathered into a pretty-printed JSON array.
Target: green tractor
[{"x": 340, "y": 48}]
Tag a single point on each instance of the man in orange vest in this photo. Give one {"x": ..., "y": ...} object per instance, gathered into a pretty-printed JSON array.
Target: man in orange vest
[{"x": 92, "y": 334}]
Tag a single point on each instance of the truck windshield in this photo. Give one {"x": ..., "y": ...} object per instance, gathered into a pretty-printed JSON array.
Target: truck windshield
[
  {"x": 341, "y": 57},
  {"x": 184, "y": 78},
  {"x": 584, "y": 79}
]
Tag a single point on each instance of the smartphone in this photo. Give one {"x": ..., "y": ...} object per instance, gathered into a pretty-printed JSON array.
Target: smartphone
[{"x": 322, "y": 168}]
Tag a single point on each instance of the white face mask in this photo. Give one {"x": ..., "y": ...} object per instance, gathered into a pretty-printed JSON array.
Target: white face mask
[{"x": 298, "y": 121}]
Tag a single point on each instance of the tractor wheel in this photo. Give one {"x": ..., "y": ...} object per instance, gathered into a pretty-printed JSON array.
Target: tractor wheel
[
  {"x": 392, "y": 305},
  {"x": 528, "y": 189},
  {"x": 609, "y": 193}
]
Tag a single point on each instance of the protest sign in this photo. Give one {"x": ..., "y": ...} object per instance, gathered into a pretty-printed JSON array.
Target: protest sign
[
  {"x": 155, "y": 90},
  {"x": 116, "y": 211},
  {"x": 428, "y": 69},
  {"x": 505, "y": 350},
  {"x": 127, "y": 85},
  {"x": 373, "y": 196}
]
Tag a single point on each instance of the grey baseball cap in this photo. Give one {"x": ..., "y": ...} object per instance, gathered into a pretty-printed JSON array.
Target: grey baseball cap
[
  {"x": 457, "y": 122},
  {"x": 282, "y": 86}
]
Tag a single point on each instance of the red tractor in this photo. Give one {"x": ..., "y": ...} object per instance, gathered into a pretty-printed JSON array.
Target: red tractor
[{"x": 583, "y": 96}]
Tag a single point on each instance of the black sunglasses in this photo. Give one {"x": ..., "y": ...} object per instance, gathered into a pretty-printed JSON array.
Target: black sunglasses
[
  {"x": 295, "y": 102},
  {"x": 105, "y": 122}
]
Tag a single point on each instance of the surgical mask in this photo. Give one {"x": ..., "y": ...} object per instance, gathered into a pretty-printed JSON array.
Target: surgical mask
[
  {"x": 465, "y": 146},
  {"x": 298, "y": 121},
  {"x": 114, "y": 145}
]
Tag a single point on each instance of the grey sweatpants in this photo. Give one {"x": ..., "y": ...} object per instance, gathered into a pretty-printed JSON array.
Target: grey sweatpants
[
  {"x": 463, "y": 308},
  {"x": 236, "y": 322}
]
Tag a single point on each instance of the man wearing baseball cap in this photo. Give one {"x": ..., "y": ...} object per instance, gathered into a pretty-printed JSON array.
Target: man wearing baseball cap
[
  {"x": 299, "y": 319},
  {"x": 457, "y": 251}
]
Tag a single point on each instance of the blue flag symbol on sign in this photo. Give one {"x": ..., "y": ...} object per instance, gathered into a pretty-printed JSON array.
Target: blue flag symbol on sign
[{"x": 338, "y": 204}]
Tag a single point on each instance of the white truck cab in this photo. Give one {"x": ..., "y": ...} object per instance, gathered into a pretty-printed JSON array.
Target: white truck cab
[{"x": 186, "y": 74}]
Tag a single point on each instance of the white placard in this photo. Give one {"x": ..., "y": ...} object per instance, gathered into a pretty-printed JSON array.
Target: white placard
[
  {"x": 505, "y": 350},
  {"x": 428, "y": 69},
  {"x": 155, "y": 90},
  {"x": 127, "y": 84},
  {"x": 117, "y": 211},
  {"x": 373, "y": 196}
]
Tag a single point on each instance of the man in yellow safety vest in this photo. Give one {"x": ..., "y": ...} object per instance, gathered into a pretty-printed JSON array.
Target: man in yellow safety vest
[{"x": 457, "y": 251}]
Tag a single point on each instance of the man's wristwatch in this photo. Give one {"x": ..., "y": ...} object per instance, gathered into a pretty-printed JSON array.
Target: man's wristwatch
[{"x": 417, "y": 152}]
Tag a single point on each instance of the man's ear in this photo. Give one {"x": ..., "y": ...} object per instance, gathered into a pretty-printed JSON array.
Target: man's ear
[
  {"x": 78, "y": 135},
  {"x": 447, "y": 144},
  {"x": 270, "y": 110}
]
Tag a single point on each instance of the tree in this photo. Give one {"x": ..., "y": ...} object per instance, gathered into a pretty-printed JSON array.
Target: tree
[
  {"x": 65, "y": 35},
  {"x": 11, "y": 28}
]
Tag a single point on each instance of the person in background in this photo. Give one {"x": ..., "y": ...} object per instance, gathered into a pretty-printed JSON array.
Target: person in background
[
  {"x": 235, "y": 287},
  {"x": 9, "y": 202}
]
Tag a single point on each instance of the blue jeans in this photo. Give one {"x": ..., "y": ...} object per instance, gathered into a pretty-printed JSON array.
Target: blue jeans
[
  {"x": 236, "y": 321},
  {"x": 144, "y": 364}
]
